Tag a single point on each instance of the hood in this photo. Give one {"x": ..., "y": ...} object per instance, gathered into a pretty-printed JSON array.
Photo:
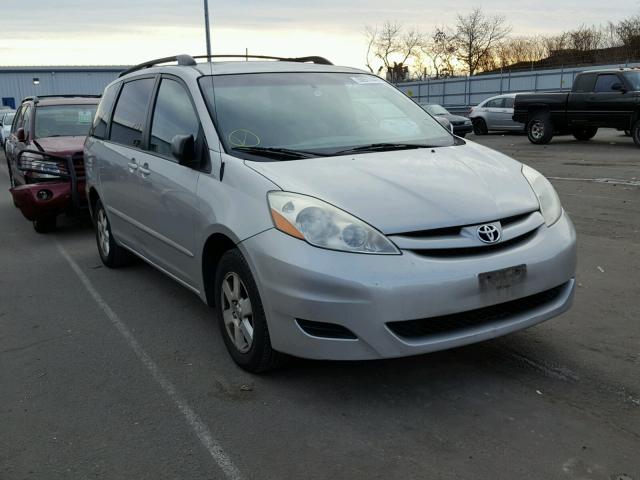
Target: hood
[
  {"x": 60, "y": 145},
  {"x": 410, "y": 190}
]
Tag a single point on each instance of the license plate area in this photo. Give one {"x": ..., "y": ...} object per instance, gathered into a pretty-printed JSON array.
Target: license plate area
[{"x": 504, "y": 278}]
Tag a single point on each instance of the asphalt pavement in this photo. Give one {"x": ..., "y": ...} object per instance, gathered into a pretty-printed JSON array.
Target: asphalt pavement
[{"x": 120, "y": 374}]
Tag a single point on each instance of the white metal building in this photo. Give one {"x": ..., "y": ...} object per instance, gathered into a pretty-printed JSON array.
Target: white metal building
[{"x": 19, "y": 82}]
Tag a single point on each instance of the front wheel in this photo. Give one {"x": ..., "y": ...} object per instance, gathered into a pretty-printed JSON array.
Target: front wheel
[
  {"x": 111, "y": 254},
  {"x": 540, "y": 129},
  {"x": 635, "y": 133},
  {"x": 584, "y": 133},
  {"x": 241, "y": 316},
  {"x": 480, "y": 126}
]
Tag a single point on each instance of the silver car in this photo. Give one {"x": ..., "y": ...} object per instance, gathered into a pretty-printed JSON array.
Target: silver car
[
  {"x": 6, "y": 119},
  {"x": 494, "y": 113},
  {"x": 321, "y": 212}
]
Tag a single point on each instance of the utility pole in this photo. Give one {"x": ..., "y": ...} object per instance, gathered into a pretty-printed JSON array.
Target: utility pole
[{"x": 206, "y": 26}]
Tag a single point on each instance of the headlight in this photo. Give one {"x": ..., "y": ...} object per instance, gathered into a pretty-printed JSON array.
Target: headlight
[
  {"x": 38, "y": 167},
  {"x": 550, "y": 206},
  {"x": 325, "y": 226}
]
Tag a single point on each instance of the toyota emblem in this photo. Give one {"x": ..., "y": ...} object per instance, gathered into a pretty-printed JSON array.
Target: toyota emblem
[{"x": 489, "y": 233}]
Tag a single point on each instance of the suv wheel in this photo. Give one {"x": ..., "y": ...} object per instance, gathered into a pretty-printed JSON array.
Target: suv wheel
[
  {"x": 44, "y": 225},
  {"x": 111, "y": 254},
  {"x": 584, "y": 133},
  {"x": 241, "y": 317},
  {"x": 540, "y": 129},
  {"x": 635, "y": 133},
  {"x": 480, "y": 126}
]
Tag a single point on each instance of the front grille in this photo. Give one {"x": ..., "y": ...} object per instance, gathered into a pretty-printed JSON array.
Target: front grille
[
  {"x": 457, "y": 322},
  {"x": 325, "y": 330},
  {"x": 471, "y": 251}
]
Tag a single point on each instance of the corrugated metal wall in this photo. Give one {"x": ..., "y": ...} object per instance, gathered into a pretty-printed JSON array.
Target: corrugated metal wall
[
  {"x": 18, "y": 82},
  {"x": 464, "y": 91}
]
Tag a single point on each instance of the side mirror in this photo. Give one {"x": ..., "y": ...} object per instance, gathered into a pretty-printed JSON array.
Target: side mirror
[
  {"x": 618, "y": 87},
  {"x": 183, "y": 148},
  {"x": 20, "y": 135}
]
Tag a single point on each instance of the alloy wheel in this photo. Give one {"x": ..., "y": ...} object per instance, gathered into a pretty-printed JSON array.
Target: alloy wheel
[
  {"x": 103, "y": 232},
  {"x": 537, "y": 129},
  {"x": 237, "y": 312}
]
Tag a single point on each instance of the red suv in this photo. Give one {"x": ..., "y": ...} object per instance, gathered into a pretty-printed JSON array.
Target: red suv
[{"x": 44, "y": 156}]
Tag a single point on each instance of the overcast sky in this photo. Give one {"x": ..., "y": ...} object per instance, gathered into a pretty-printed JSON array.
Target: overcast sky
[{"x": 88, "y": 32}]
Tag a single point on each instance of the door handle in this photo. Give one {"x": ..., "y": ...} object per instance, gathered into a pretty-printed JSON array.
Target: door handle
[
  {"x": 144, "y": 170},
  {"x": 133, "y": 165}
]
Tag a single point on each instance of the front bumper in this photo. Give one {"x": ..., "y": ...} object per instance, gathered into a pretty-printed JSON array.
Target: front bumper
[
  {"x": 365, "y": 292},
  {"x": 462, "y": 129},
  {"x": 60, "y": 199}
]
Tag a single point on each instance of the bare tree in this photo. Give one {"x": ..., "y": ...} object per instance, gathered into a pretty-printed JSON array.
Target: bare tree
[
  {"x": 441, "y": 51},
  {"x": 584, "y": 39},
  {"x": 476, "y": 36},
  {"x": 520, "y": 50},
  {"x": 628, "y": 32},
  {"x": 392, "y": 45}
]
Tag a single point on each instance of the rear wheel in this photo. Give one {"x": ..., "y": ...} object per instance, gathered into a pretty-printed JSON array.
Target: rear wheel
[
  {"x": 111, "y": 254},
  {"x": 45, "y": 224},
  {"x": 635, "y": 133},
  {"x": 241, "y": 316},
  {"x": 480, "y": 126},
  {"x": 584, "y": 133},
  {"x": 540, "y": 129}
]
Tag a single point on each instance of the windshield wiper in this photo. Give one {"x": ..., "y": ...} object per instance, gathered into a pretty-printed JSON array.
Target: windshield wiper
[
  {"x": 382, "y": 147},
  {"x": 280, "y": 153}
]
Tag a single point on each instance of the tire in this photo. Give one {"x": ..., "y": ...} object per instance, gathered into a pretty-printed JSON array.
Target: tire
[
  {"x": 45, "y": 225},
  {"x": 584, "y": 133},
  {"x": 236, "y": 294},
  {"x": 480, "y": 126},
  {"x": 111, "y": 254},
  {"x": 540, "y": 129},
  {"x": 635, "y": 133}
]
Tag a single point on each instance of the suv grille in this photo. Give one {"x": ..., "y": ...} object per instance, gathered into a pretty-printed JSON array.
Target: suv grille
[{"x": 457, "y": 322}]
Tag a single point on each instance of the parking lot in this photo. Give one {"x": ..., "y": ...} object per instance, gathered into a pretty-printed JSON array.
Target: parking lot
[{"x": 123, "y": 374}]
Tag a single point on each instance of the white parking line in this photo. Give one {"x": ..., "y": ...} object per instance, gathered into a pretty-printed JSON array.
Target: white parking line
[{"x": 200, "y": 429}]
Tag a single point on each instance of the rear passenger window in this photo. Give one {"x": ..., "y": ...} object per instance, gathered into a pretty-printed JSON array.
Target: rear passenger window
[
  {"x": 495, "y": 103},
  {"x": 606, "y": 81},
  {"x": 101, "y": 120},
  {"x": 131, "y": 112},
  {"x": 508, "y": 102},
  {"x": 173, "y": 115}
]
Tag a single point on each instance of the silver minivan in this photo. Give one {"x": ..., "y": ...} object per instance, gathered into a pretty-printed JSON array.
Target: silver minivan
[{"x": 321, "y": 212}]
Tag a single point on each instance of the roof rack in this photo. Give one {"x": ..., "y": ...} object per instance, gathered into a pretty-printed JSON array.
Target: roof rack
[
  {"x": 188, "y": 60},
  {"x": 36, "y": 98}
]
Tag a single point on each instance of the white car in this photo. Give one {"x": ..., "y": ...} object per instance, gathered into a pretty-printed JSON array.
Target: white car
[
  {"x": 6, "y": 118},
  {"x": 495, "y": 113}
]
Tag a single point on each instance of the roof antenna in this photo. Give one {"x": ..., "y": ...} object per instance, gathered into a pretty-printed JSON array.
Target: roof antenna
[{"x": 206, "y": 26}]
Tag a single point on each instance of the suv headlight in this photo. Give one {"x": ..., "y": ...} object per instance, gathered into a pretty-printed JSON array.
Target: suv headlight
[
  {"x": 550, "y": 206},
  {"x": 325, "y": 226},
  {"x": 38, "y": 167}
]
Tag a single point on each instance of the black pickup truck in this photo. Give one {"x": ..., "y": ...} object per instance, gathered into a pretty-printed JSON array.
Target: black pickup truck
[{"x": 599, "y": 99}]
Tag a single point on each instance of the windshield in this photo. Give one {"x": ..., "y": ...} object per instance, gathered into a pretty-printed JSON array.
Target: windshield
[
  {"x": 318, "y": 113},
  {"x": 8, "y": 119},
  {"x": 435, "y": 109},
  {"x": 634, "y": 79},
  {"x": 64, "y": 120}
]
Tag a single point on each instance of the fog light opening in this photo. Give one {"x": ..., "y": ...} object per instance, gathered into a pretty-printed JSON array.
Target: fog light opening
[{"x": 44, "y": 194}]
